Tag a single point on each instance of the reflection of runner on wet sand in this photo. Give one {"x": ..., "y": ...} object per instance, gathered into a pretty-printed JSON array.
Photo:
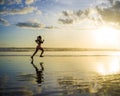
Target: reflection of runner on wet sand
[{"x": 39, "y": 72}]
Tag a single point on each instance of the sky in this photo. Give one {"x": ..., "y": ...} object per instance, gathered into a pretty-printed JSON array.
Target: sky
[{"x": 61, "y": 23}]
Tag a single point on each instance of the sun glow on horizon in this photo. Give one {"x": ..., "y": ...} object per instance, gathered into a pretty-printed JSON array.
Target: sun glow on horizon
[{"x": 106, "y": 36}]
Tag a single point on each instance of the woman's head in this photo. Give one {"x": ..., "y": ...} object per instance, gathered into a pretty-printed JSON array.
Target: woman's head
[{"x": 39, "y": 37}]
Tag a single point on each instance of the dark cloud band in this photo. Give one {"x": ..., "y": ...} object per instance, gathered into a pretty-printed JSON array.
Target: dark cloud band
[{"x": 34, "y": 25}]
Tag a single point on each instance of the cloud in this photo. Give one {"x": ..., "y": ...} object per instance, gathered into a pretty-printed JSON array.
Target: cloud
[
  {"x": 24, "y": 10},
  {"x": 10, "y": 2},
  {"x": 112, "y": 13},
  {"x": 33, "y": 24},
  {"x": 50, "y": 27},
  {"x": 1, "y": 2},
  {"x": 66, "y": 21},
  {"x": 4, "y": 22},
  {"x": 71, "y": 17},
  {"x": 29, "y": 1},
  {"x": 99, "y": 14}
]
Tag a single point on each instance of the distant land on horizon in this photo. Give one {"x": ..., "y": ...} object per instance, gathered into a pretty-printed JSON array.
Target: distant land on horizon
[{"x": 28, "y": 49}]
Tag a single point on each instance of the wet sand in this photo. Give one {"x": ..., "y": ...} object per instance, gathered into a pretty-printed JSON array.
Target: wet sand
[{"x": 57, "y": 76}]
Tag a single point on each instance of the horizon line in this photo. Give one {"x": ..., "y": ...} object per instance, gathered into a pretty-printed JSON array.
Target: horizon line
[{"x": 61, "y": 49}]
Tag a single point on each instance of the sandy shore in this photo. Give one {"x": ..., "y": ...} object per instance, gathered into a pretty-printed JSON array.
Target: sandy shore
[{"x": 56, "y": 76}]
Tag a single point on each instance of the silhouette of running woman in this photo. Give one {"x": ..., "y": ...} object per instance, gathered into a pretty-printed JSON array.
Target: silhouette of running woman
[{"x": 39, "y": 41}]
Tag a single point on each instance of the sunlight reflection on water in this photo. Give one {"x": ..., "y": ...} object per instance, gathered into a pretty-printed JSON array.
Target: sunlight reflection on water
[{"x": 60, "y": 76}]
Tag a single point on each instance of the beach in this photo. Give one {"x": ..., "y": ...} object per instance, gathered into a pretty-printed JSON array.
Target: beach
[
  {"x": 59, "y": 47},
  {"x": 59, "y": 74}
]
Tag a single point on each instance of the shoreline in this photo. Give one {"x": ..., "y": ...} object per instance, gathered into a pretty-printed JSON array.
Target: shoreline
[{"x": 30, "y": 49}]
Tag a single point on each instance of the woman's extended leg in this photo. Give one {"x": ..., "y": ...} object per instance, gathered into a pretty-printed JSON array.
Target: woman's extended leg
[
  {"x": 34, "y": 53},
  {"x": 42, "y": 51}
]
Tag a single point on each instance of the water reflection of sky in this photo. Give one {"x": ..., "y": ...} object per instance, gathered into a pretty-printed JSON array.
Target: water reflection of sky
[{"x": 82, "y": 75}]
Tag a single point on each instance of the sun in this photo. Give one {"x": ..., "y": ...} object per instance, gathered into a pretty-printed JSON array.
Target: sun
[{"x": 106, "y": 36}]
